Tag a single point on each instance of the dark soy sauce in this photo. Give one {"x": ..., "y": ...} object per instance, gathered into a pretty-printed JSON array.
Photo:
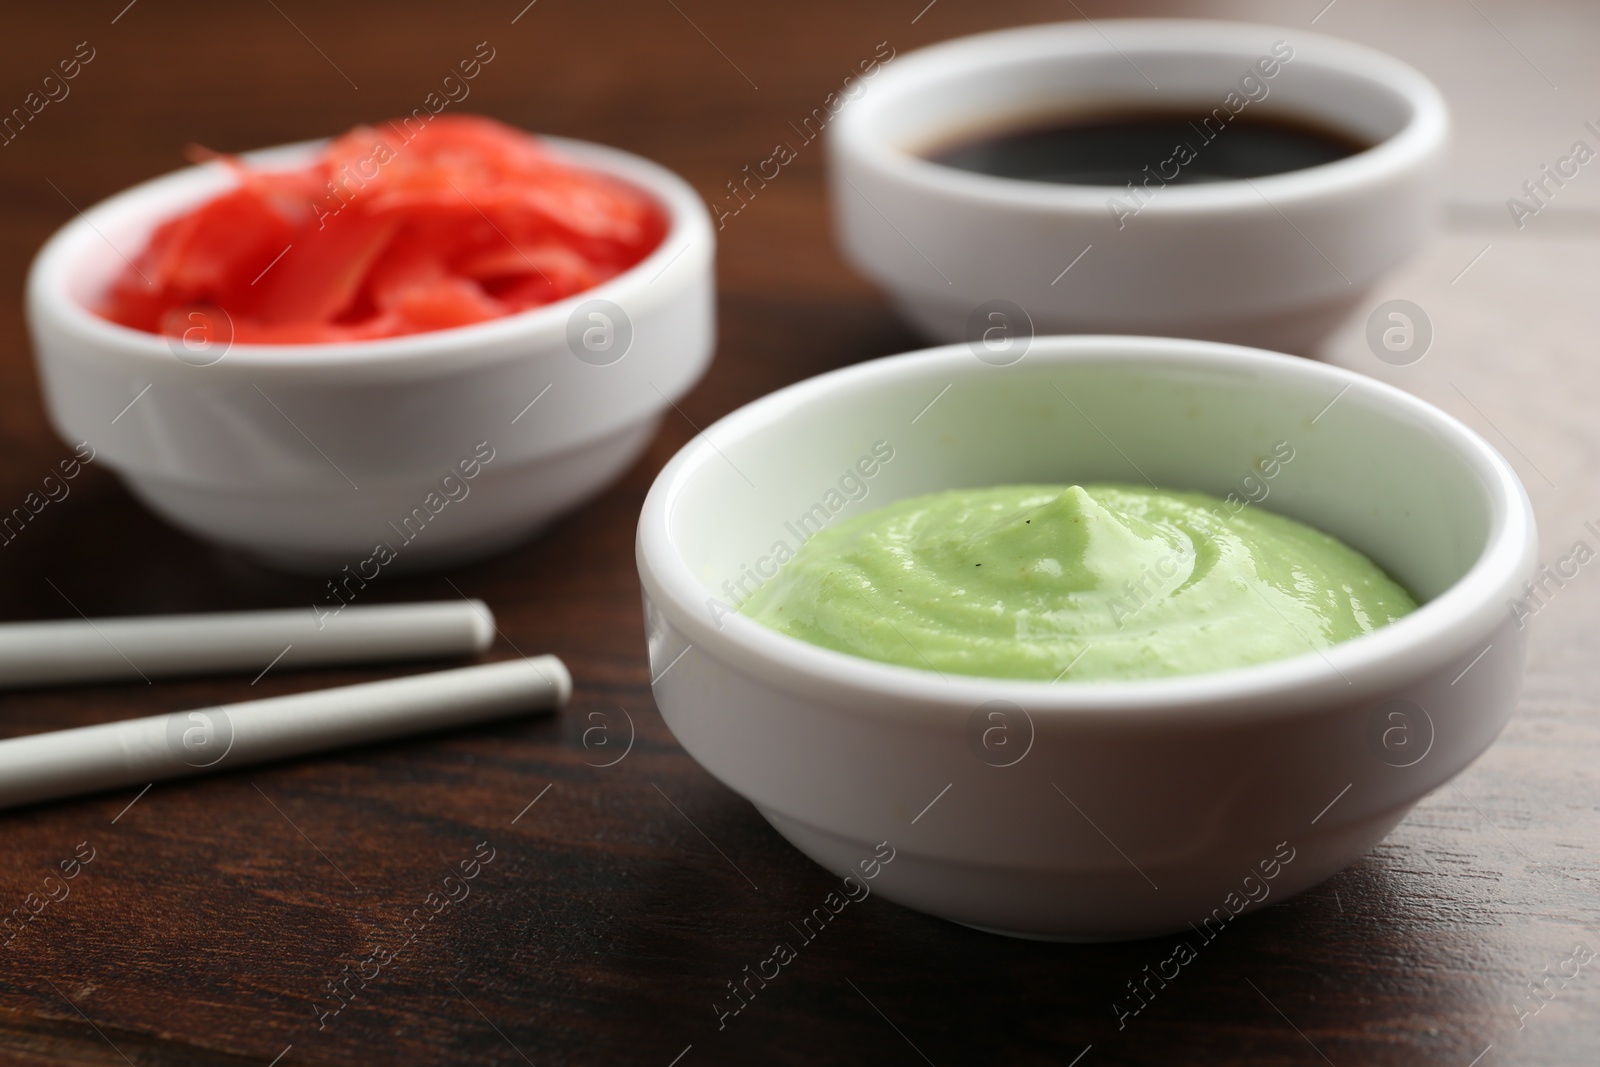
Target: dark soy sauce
[{"x": 1177, "y": 147}]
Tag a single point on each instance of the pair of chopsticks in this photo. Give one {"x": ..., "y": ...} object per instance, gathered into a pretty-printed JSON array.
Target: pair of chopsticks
[{"x": 90, "y": 759}]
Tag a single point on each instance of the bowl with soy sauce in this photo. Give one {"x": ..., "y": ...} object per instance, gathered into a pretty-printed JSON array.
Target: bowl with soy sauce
[{"x": 1186, "y": 178}]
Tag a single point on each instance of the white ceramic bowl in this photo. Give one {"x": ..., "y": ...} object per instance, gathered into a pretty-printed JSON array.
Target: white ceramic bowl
[
  {"x": 1274, "y": 262},
  {"x": 310, "y": 455},
  {"x": 1136, "y": 807}
]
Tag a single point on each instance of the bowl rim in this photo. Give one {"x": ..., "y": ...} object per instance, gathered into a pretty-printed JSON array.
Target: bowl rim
[
  {"x": 1440, "y": 631},
  {"x": 47, "y": 292},
  {"x": 1423, "y": 134}
]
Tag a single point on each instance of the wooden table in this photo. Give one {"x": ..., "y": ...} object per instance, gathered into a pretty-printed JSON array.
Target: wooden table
[{"x": 212, "y": 917}]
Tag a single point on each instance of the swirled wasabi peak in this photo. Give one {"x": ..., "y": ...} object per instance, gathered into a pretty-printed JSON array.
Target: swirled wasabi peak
[{"x": 1076, "y": 583}]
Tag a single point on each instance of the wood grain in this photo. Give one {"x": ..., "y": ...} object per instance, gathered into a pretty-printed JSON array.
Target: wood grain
[{"x": 215, "y": 913}]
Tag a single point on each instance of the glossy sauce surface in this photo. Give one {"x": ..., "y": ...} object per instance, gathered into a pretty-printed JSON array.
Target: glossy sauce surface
[{"x": 1178, "y": 147}]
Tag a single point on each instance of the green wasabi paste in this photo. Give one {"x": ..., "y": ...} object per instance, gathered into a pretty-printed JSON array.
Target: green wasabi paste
[{"x": 1077, "y": 583}]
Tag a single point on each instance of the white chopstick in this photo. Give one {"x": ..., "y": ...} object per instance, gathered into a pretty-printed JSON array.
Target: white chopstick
[
  {"x": 72, "y": 651},
  {"x": 91, "y": 759}
]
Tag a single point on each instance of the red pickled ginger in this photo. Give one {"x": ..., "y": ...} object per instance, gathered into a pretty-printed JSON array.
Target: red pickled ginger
[{"x": 390, "y": 231}]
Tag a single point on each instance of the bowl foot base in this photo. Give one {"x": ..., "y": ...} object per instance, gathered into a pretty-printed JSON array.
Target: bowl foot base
[
  {"x": 454, "y": 555},
  {"x": 1083, "y": 903},
  {"x": 330, "y": 531},
  {"x": 1299, "y": 332}
]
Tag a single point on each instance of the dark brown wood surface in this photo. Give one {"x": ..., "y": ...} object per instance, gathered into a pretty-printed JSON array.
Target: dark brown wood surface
[{"x": 215, "y": 914}]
